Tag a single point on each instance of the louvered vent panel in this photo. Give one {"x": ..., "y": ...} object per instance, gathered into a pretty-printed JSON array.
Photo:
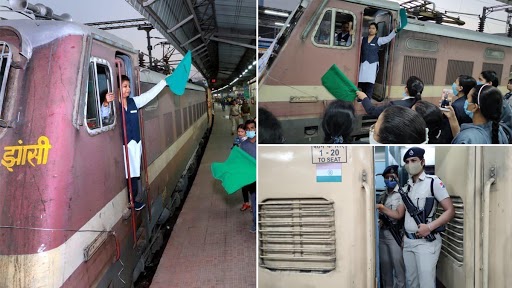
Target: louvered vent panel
[
  {"x": 457, "y": 68},
  {"x": 421, "y": 67},
  {"x": 453, "y": 237},
  {"x": 297, "y": 235}
]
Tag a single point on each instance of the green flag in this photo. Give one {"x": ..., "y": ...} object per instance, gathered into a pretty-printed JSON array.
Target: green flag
[
  {"x": 338, "y": 84},
  {"x": 403, "y": 20},
  {"x": 237, "y": 171},
  {"x": 177, "y": 81}
]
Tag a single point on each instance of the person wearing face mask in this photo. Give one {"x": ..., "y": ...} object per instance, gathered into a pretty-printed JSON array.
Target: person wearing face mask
[
  {"x": 249, "y": 146},
  {"x": 484, "y": 107},
  {"x": 412, "y": 94},
  {"x": 461, "y": 87},
  {"x": 390, "y": 252},
  {"x": 488, "y": 77},
  {"x": 420, "y": 255},
  {"x": 370, "y": 57},
  {"x": 399, "y": 125}
]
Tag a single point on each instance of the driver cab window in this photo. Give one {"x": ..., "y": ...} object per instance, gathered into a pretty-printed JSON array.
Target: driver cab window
[
  {"x": 335, "y": 29},
  {"x": 99, "y": 112}
]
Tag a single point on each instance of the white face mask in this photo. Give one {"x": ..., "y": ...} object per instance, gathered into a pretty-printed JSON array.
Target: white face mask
[
  {"x": 372, "y": 140},
  {"x": 413, "y": 168}
]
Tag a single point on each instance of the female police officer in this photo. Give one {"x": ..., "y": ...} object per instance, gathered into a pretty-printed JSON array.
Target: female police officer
[
  {"x": 390, "y": 251},
  {"x": 420, "y": 255}
]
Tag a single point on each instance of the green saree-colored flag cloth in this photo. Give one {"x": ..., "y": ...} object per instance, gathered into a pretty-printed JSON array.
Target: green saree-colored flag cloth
[
  {"x": 339, "y": 85},
  {"x": 237, "y": 171}
]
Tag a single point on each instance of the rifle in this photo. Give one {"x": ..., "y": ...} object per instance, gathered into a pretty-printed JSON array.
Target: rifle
[
  {"x": 391, "y": 227},
  {"x": 419, "y": 216}
]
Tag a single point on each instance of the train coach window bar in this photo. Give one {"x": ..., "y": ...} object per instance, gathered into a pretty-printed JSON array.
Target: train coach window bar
[
  {"x": 99, "y": 115},
  {"x": 297, "y": 235},
  {"x": 5, "y": 64}
]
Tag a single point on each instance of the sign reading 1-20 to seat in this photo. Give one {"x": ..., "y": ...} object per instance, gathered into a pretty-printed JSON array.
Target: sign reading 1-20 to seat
[{"x": 328, "y": 154}]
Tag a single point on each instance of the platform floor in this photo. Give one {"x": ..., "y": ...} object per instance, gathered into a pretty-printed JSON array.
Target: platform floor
[{"x": 211, "y": 245}]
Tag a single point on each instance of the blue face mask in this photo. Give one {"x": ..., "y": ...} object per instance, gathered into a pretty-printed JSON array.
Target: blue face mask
[
  {"x": 405, "y": 95},
  {"x": 469, "y": 113},
  {"x": 454, "y": 89},
  {"x": 390, "y": 183},
  {"x": 250, "y": 134},
  {"x": 479, "y": 83}
]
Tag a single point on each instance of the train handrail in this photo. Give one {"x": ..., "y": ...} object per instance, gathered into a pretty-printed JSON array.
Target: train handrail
[
  {"x": 370, "y": 215},
  {"x": 126, "y": 158},
  {"x": 485, "y": 243}
]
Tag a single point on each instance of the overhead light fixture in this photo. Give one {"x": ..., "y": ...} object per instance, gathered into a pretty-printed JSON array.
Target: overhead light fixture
[{"x": 276, "y": 13}]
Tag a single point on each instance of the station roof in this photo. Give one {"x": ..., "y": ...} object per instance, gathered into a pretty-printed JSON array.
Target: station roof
[{"x": 220, "y": 33}]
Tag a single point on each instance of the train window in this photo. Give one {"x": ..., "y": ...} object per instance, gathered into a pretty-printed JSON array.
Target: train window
[
  {"x": 5, "y": 65},
  {"x": 498, "y": 68},
  {"x": 422, "y": 45},
  {"x": 99, "y": 116},
  {"x": 494, "y": 54},
  {"x": 335, "y": 29},
  {"x": 422, "y": 67},
  {"x": 297, "y": 235},
  {"x": 457, "y": 68}
]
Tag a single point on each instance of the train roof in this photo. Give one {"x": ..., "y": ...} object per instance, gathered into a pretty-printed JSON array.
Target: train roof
[
  {"x": 150, "y": 76},
  {"x": 456, "y": 32},
  {"x": 378, "y": 3},
  {"x": 35, "y": 33}
]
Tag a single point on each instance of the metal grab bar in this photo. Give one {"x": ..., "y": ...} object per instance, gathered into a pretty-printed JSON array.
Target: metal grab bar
[
  {"x": 370, "y": 208},
  {"x": 485, "y": 220}
]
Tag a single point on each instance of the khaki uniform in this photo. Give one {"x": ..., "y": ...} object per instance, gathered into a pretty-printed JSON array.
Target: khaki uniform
[
  {"x": 420, "y": 256},
  {"x": 390, "y": 253},
  {"x": 234, "y": 115}
]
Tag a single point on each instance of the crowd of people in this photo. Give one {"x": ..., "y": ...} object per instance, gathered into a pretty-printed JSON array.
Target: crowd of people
[{"x": 476, "y": 113}]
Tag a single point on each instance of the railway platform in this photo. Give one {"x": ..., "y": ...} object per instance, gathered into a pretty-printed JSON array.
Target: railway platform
[{"x": 211, "y": 245}]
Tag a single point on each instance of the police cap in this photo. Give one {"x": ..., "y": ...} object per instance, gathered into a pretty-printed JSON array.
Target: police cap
[
  {"x": 414, "y": 152},
  {"x": 392, "y": 169}
]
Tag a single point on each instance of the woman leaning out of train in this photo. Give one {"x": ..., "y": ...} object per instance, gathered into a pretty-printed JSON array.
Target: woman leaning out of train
[
  {"x": 370, "y": 57},
  {"x": 412, "y": 93},
  {"x": 399, "y": 125},
  {"x": 338, "y": 122},
  {"x": 483, "y": 106},
  {"x": 131, "y": 107}
]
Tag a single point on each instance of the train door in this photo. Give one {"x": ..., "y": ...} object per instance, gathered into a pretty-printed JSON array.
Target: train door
[
  {"x": 383, "y": 18},
  {"x": 124, "y": 67},
  {"x": 460, "y": 170},
  {"x": 495, "y": 227},
  {"x": 316, "y": 216}
]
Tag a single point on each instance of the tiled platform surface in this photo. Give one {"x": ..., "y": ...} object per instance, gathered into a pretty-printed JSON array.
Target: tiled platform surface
[{"x": 211, "y": 245}]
